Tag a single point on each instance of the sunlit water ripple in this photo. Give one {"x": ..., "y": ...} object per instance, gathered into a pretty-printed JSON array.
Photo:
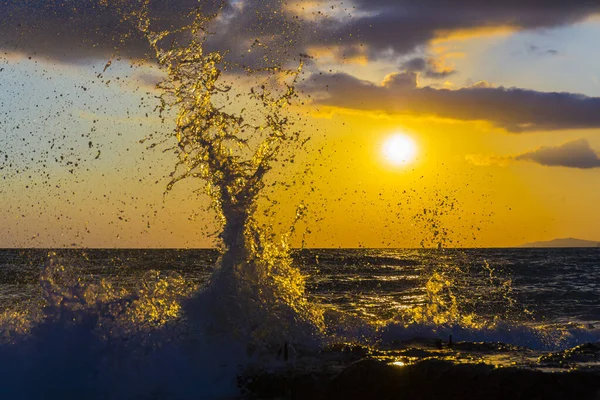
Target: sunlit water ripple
[{"x": 558, "y": 286}]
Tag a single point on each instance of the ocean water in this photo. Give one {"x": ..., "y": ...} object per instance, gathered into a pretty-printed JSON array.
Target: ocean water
[
  {"x": 554, "y": 286},
  {"x": 540, "y": 288},
  {"x": 92, "y": 322}
]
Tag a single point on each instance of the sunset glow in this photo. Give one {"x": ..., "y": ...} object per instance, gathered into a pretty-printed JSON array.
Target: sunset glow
[
  {"x": 399, "y": 149},
  {"x": 320, "y": 199},
  {"x": 499, "y": 116}
]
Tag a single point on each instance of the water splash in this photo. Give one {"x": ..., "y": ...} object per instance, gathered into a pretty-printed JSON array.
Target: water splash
[
  {"x": 256, "y": 296},
  {"x": 152, "y": 339},
  {"x": 466, "y": 296},
  {"x": 99, "y": 340}
]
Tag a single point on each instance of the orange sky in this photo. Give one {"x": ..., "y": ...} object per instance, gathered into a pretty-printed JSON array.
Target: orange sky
[{"x": 475, "y": 182}]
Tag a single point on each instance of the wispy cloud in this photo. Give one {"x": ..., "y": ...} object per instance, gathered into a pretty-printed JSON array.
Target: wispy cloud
[
  {"x": 541, "y": 51},
  {"x": 429, "y": 67},
  {"x": 575, "y": 154},
  {"x": 488, "y": 160}
]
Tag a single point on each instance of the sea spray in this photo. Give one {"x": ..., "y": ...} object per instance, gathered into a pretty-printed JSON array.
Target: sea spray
[
  {"x": 91, "y": 339},
  {"x": 98, "y": 340},
  {"x": 256, "y": 296},
  {"x": 460, "y": 294}
]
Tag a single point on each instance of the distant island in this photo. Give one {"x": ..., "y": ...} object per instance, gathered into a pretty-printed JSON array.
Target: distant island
[{"x": 561, "y": 243}]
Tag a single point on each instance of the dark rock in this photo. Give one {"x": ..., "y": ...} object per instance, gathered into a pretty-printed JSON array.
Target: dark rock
[
  {"x": 488, "y": 347},
  {"x": 435, "y": 379},
  {"x": 288, "y": 385},
  {"x": 426, "y": 380},
  {"x": 421, "y": 343},
  {"x": 589, "y": 352},
  {"x": 416, "y": 353},
  {"x": 366, "y": 379},
  {"x": 349, "y": 348}
]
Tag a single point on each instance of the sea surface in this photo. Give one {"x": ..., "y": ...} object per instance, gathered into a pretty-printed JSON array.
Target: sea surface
[
  {"x": 535, "y": 309},
  {"x": 554, "y": 286}
]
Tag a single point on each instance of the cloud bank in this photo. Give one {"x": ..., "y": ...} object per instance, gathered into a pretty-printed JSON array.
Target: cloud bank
[
  {"x": 399, "y": 26},
  {"x": 382, "y": 28},
  {"x": 516, "y": 110},
  {"x": 277, "y": 30}
]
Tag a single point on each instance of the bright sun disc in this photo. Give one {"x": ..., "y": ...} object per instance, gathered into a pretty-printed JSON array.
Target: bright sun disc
[{"x": 399, "y": 149}]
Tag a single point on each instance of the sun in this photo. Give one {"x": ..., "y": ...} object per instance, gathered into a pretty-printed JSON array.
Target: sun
[{"x": 399, "y": 149}]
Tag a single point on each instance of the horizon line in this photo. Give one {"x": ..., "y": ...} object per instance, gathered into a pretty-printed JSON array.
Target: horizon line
[{"x": 524, "y": 246}]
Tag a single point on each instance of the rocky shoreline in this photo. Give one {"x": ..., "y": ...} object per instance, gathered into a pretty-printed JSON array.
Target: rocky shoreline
[
  {"x": 358, "y": 375},
  {"x": 429, "y": 379}
]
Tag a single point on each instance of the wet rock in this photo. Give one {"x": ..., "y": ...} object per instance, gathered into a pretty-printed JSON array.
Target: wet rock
[
  {"x": 589, "y": 352},
  {"x": 351, "y": 349},
  {"x": 421, "y": 343},
  {"x": 366, "y": 379},
  {"x": 488, "y": 347},
  {"x": 429, "y": 379},
  {"x": 416, "y": 353},
  {"x": 288, "y": 385},
  {"x": 435, "y": 379}
]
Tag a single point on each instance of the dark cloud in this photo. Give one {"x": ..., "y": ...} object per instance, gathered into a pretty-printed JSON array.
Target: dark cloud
[
  {"x": 429, "y": 67},
  {"x": 516, "y": 110},
  {"x": 79, "y": 29},
  {"x": 89, "y": 28},
  {"x": 254, "y": 33},
  {"x": 575, "y": 154},
  {"x": 415, "y": 64},
  {"x": 399, "y": 26}
]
